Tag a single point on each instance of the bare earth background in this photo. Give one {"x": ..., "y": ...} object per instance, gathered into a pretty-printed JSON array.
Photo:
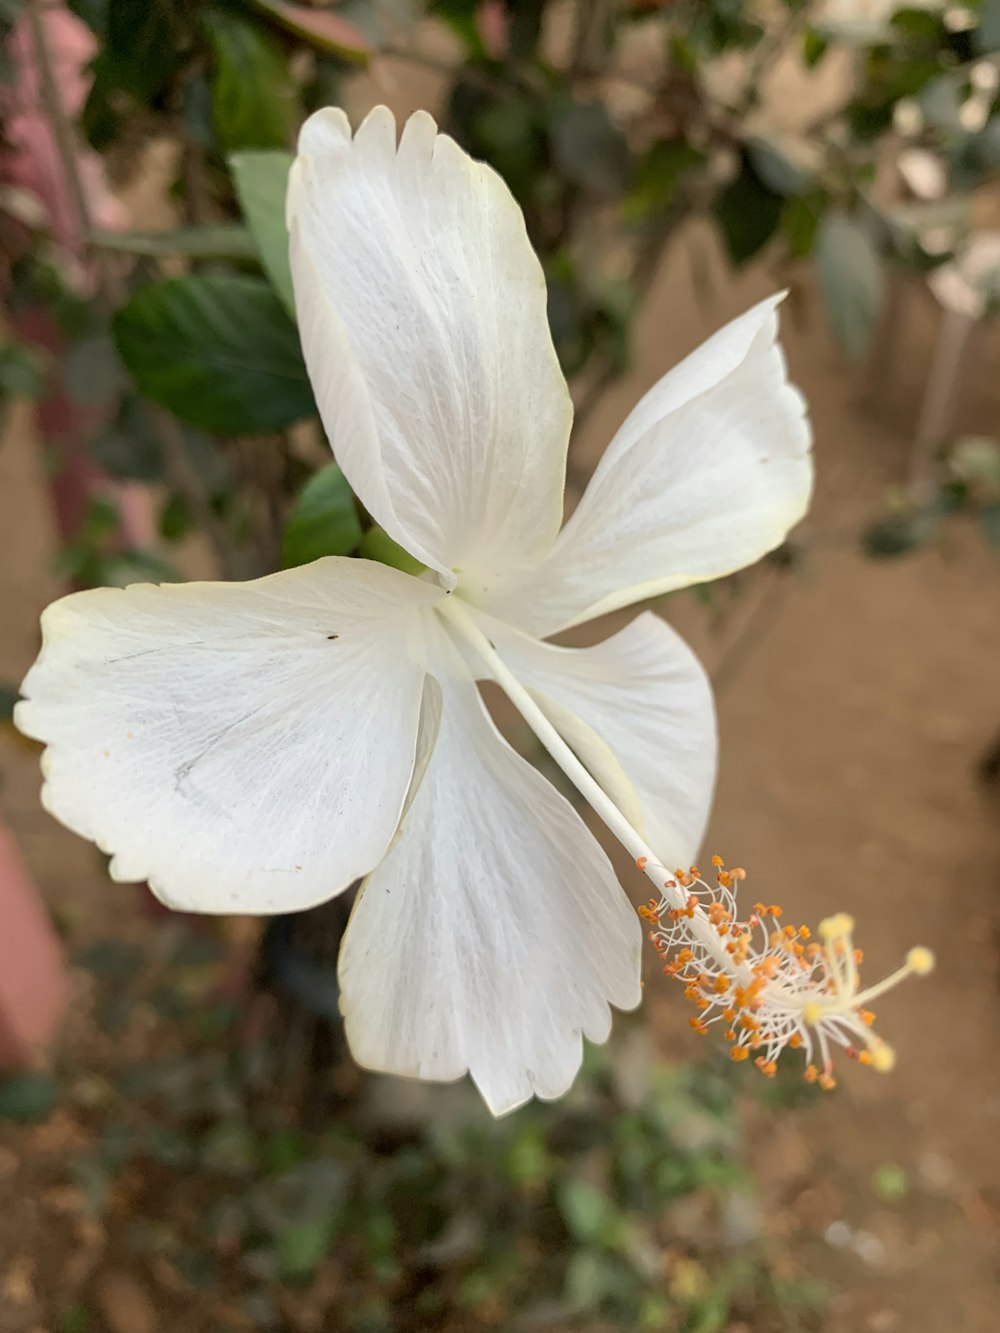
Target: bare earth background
[{"x": 851, "y": 731}]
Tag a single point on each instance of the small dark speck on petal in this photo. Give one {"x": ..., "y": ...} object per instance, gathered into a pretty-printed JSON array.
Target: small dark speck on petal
[{"x": 333, "y": 636}]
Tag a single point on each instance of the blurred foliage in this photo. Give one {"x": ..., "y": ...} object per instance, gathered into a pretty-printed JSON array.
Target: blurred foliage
[
  {"x": 613, "y": 124},
  {"x": 626, "y": 1205},
  {"x": 967, "y": 488}
]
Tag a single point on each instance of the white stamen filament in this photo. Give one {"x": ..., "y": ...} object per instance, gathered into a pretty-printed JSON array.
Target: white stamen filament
[{"x": 771, "y": 987}]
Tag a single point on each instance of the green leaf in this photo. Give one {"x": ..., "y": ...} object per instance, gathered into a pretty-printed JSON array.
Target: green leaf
[
  {"x": 780, "y": 165},
  {"x": 899, "y": 534},
  {"x": 814, "y": 47},
  {"x": 588, "y": 147},
  {"x": 22, "y": 370},
  {"x": 261, "y": 181},
  {"x": 329, "y": 32},
  {"x": 9, "y": 695},
  {"x": 324, "y": 520},
  {"x": 851, "y": 282},
  {"x": 127, "y": 448},
  {"x": 890, "y": 1182},
  {"x": 254, "y": 97},
  {"x": 800, "y": 220},
  {"x": 586, "y": 1210},
  {"x": 76, "y": 1319},
  {"x": 27, "y": 1097},
  {"x": 748, "y": 213},
  {"x": 140, "y": 46},
  {"x": 302, "y": 1246},
  {"x": 657, "y": 176},
  {"x": 589, "y": 1278},
  {"x": 224, "y": 241},
  {"x": 376, "y": 544},
  {"x": 91, "y": 370},
  {"x": 987, "y": 37},
  {"x": 218, "y": 350},
  {"x": 989, "y": 523}
]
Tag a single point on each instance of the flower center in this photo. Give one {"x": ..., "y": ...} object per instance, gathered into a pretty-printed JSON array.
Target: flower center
[{"x": 772, "y": 985}]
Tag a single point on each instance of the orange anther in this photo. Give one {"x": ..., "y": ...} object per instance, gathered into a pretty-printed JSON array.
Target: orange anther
[
  {"x": 641, "y": 862},
  {"x": 739, "y": 1053}
]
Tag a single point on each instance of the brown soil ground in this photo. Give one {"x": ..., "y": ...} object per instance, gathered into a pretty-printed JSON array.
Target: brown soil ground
[{"x": 857, "y": 699}]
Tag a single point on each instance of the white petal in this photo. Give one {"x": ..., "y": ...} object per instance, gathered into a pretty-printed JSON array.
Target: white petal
[
  {"x": 243, "y": 747},
  {"x": 422, "y": 312},
  {"x": 494, "y": 934},
  {"x": 638, "y": 711},
  {"x": 707, "y": 474}
]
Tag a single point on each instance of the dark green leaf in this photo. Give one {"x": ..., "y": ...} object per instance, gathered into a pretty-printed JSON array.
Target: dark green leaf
[
  {"x": 658, "y": 174},
  {"x": 9, "y": 695},
  {"x": 324, "y": 520},
  {"x": 141, "y": 46},
  {"x": 588, "y": 147},
  {"x": 22, "y": 370},
  {"x": 899, "y": 534},
  {"x": 175, "y": 519},
  {"x": 91, "y": 370},
  {"x": 329, "y": 32},
  {"x": 196, "y": 111},
  {"x": 224, "y": 241},
  {"x": 128, "y": 448},
  {"x": 989, "y": 522},
  {"x": 93, "y": 12},
  {"x": 111, "y": 960},
  {"x": 988, "y": 32},
  {"x": 748, "y": 213},
  {"x": 778, "y": 164},
  {"x": 219, "y": 351},
  {"x": 254, "y": 96},
  {"x": 229, "y": 1148},
  {"x": 199, "y": 1269},
  {"x": 261, "y": 181},
  {"x": 851, "y": 281},
  {"x": 800, "y": 220},
  {"x": 28, "y": 1097}
]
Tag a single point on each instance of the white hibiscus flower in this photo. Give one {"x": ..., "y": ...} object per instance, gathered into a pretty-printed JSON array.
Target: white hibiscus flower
[{"x": 258, "y": 747}]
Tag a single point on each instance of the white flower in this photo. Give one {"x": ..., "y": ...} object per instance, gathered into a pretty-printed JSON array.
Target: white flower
[{"x": 258, "y": 747}]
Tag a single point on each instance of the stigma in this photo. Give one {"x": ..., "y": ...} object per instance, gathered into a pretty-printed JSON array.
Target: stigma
[{"x": 773, "y": 985}]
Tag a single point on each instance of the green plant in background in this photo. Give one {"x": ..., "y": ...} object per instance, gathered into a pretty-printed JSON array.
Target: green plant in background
[
  {"x": 607, "y": 164},
  {"x": 626, "y": 1206}
]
